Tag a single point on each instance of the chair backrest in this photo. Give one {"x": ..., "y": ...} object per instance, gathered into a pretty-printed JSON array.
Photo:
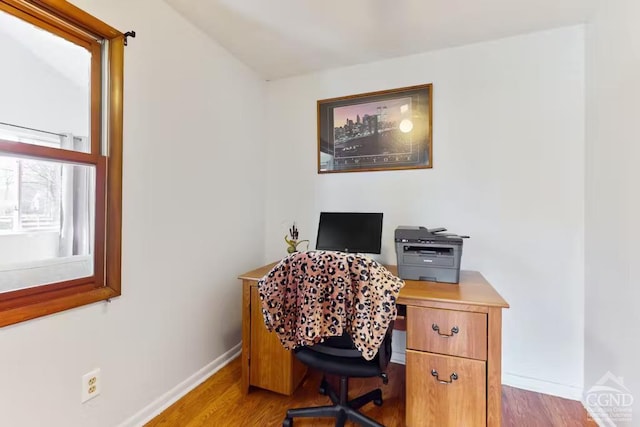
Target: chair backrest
[
  {"x": 342, "y": 346},
  {"x": 313, "y": 295}
]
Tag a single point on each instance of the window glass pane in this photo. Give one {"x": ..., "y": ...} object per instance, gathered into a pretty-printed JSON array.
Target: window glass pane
[
  {"x": 47, "y": 222},
  {"x": 8, "y": 193},
  {"x": 40, "y": 195},
  {"x": 52, "y": 105}
]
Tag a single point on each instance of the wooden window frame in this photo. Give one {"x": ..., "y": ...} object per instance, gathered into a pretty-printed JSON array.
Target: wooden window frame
[{"x": 68, "y": 21}]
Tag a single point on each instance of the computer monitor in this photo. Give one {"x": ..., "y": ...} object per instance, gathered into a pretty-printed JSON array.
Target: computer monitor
[{"x": 350, "y": 232}]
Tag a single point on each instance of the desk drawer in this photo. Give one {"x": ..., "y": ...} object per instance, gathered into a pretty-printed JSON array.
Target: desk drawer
[
  {"x": 445, "y": 391},
  {"x": 457, "y": 333}
]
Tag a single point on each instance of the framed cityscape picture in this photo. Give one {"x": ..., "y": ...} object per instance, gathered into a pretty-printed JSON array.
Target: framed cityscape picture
[{"x": 386, "y": 130}]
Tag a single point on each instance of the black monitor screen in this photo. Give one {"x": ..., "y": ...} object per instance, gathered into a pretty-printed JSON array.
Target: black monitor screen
[{"x": 350, "y": 232}]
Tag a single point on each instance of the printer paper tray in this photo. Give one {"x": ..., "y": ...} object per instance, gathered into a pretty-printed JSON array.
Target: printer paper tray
[{"x": 431, "y": 260}]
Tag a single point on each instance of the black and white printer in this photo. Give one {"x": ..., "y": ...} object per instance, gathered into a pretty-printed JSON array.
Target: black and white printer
[{"x": 428, "y": 254}]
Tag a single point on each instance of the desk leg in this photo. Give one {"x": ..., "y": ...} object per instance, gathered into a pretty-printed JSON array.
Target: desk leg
[
  {"x": 494, "y": 368},
  {"x": 246, "y": 334}
]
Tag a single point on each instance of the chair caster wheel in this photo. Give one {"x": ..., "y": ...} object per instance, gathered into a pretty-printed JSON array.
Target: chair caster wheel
[
  {"x": 385, "y": 378},
  {"x": 377, "y": 402},
  {"x": 288, "y": 422}
]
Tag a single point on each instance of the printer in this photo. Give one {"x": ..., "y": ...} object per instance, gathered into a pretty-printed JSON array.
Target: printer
[{"x": 428, "y": 254}]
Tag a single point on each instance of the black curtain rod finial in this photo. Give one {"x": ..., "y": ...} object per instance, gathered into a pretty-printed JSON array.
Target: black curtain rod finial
[{"x": 127, "y": 35}]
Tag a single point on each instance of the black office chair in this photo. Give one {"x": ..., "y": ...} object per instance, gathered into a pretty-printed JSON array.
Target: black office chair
[{"x": 338, "y": 356}]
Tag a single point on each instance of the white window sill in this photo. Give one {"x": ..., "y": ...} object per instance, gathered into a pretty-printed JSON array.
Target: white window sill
[
  {"x": 26, "y": 232},
  {"x": 23, "y": 275}
]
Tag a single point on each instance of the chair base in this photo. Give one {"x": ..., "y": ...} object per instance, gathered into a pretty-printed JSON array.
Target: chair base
[{"x": 342, "y": 410}]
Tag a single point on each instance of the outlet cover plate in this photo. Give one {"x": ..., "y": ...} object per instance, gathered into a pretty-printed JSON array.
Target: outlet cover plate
[{"x": 91, "y": 385}]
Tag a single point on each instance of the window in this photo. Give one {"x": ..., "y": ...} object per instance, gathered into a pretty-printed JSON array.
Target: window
[
  {"x": 31, "y": 193},
  {"x": 60, "y": 158},
  {"x": 30, "y": 198}
]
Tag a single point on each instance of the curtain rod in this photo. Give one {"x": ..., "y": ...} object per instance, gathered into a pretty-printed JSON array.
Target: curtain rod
[{"x": 28, "y": 128}]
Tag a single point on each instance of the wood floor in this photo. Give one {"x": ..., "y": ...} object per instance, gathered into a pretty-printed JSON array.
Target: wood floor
[{"x": 220, "y": 402}]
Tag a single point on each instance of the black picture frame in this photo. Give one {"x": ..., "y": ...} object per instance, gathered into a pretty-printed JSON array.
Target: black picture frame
[{"x": 376, "y": 131}]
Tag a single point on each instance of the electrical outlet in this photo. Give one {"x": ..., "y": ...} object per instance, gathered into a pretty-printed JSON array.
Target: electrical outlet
[{"x": 91, "y": 385}]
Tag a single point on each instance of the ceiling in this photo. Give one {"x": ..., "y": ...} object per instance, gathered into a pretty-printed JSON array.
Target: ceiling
[{"x": 281, "y": 38}]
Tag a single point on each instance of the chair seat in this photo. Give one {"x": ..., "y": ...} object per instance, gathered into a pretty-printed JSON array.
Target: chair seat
[{"x": 343, "y": 366}]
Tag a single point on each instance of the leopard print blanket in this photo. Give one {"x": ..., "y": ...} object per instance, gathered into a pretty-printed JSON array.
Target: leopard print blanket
[{"x": 310, "y": 296}]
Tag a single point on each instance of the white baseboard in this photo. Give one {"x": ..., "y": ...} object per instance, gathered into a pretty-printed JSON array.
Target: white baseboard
[
  {"x": 169, "y": 398},
  {"x": 541, "y": 386},
  {"x": 398, "y": 347},
  {"x": 398, "y": 357}
]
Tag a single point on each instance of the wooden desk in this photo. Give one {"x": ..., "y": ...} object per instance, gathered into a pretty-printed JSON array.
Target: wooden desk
[{"x": 451, "y": 329}]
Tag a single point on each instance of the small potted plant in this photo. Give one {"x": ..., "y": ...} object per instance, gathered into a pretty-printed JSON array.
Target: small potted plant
[{"x": 293, "y": 242}]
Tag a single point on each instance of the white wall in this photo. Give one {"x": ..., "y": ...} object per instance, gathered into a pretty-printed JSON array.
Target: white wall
[
  {"x": 193, "y": 220},
  {"x": 508, "y": 170},
  {"x": 612, "y": 201}
]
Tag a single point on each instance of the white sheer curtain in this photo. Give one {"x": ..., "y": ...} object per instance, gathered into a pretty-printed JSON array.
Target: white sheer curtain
[{"x": 77, "y": 218}]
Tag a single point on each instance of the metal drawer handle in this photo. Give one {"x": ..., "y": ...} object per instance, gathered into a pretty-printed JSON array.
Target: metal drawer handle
[
  {"x": 452, "y": 377},
  {"x": 454, "y": 331}
]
